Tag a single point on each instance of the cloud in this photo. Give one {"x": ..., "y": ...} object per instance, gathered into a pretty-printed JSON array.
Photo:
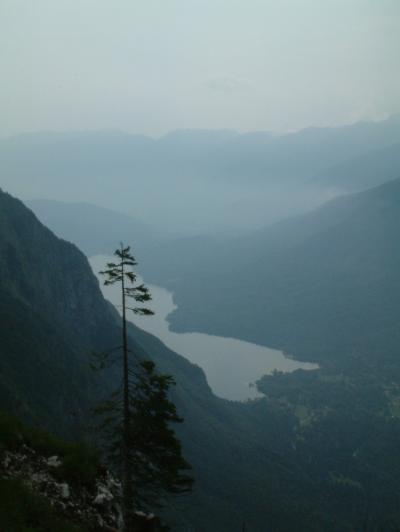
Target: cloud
[{"x": 229, "y": 84}]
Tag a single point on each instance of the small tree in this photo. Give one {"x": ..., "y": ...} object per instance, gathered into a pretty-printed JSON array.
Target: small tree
[{"x": 136, "y": 418}]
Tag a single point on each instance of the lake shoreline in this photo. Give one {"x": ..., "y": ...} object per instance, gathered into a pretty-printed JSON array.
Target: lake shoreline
[{"x": 232, "y": 366}]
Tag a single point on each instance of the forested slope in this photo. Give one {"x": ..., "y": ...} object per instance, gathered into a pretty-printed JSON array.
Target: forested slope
[{"x": 321, "y": 286}]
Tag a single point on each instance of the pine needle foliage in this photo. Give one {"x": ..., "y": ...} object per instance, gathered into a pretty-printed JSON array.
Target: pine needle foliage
[{"x": 135, "y": 420}]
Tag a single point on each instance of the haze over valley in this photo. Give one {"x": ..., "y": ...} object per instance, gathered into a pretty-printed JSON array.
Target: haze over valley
[
  {"x": 200, "y": 266},
  {"x": 190, "y": 182}
]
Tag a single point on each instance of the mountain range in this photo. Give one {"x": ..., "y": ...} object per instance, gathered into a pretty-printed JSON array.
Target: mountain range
[
  {"x": 54, "y": 316},
  {"x": 320, "y": 450},
  {"x": 320, "y": 285},
  {"x": 317, "y": 285},
  {"x": 230, "y": 182}
]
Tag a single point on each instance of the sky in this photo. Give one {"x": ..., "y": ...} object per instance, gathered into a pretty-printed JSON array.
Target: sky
[{"x": 152, "y": 66}]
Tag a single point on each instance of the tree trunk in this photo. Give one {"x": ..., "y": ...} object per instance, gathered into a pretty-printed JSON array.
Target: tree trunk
[{"x": 127, "y": 487}]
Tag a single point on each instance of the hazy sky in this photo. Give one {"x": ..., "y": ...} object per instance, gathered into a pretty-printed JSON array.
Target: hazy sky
[{"x": 149, "y": 66}]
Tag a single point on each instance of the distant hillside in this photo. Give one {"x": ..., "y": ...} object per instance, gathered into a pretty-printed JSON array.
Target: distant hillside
[
  {"x": 93, "y": 229},
  {"x": 321, "y": 285},
  {"x": 362, "y": 172},
  {"x": 49, "y": 157}
]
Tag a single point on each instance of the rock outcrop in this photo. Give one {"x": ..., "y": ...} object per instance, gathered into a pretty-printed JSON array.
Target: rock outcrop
[{"x": 93, "y": 506}]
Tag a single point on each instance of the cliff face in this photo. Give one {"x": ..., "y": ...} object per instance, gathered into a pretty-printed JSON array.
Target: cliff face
[
  {"x": 52, "y": 316},
  {"x": 48, "y": 274}
]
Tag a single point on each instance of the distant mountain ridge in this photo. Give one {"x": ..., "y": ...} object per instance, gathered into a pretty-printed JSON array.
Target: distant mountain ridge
[
  {"x": 95, "y": 230},
  {"x": 362, "y": 172},
  {"x": 310, "y": 150},
  {"x": 199, "y": 180}
]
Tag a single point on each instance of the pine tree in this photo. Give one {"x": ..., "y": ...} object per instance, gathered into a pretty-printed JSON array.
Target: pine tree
[{"x": 140, "y": 442}]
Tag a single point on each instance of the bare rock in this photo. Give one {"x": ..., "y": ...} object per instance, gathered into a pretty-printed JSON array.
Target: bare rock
[{"x": 53, "y": 461}]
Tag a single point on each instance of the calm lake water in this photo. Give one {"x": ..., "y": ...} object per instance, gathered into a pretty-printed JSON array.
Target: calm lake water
[{"x": 231, "y": 366}]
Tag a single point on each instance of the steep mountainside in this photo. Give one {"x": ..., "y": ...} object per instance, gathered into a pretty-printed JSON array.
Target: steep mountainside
[
  {"x": 318, "y": 285},
  {"x": 47, "y": 273},
  {"x": 53, "y": 315},
  {"x": 362, "y": 172},
  {"x": 308, "y": 457},
  {"x": 322, "y": 285}
]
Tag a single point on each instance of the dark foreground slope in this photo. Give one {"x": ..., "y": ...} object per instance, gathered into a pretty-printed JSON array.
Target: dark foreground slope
[
  {"x": 51, "y": 317},
  {"x": 310, "y": 457}
]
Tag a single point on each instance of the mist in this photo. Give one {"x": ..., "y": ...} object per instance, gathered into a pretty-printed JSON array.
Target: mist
[
  {"x": 200, "y": 182},
  {"x": 153, "y": 67},
  {"x": 234, "y": 168}
]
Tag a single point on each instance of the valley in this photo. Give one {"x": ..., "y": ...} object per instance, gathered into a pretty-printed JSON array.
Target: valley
[
  {"x": 322, "y": 286},
  {"x": 231, "y": 366}
]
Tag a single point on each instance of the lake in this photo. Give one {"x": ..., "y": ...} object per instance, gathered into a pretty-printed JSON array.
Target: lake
[{"x": 231, "y": 366}]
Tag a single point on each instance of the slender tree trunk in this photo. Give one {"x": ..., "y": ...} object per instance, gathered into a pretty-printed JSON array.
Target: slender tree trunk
[{"x": 127, "y": 488}]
